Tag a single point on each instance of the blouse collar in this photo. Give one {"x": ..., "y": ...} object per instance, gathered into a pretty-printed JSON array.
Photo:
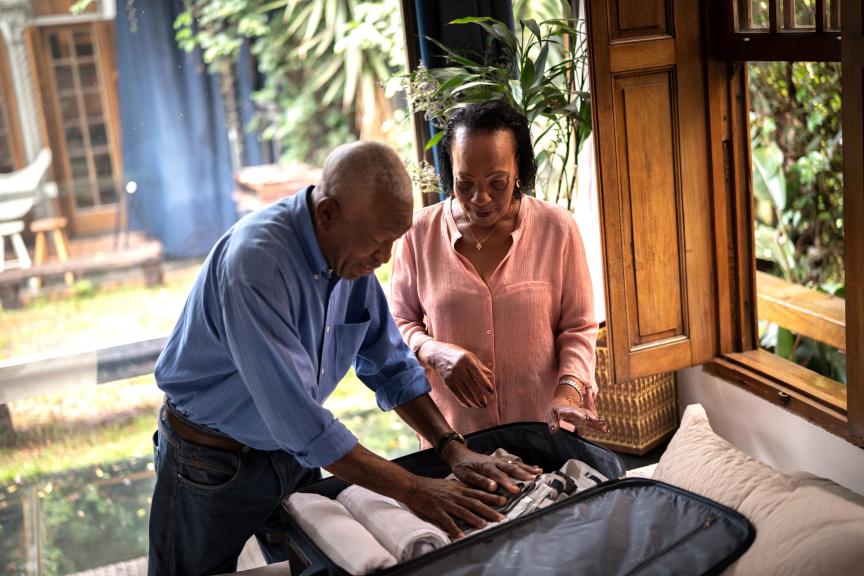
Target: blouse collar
[{"x": 521, "y": 220}]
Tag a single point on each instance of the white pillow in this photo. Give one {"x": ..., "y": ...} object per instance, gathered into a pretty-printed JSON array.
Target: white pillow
[{"x": 801, "y": 528}]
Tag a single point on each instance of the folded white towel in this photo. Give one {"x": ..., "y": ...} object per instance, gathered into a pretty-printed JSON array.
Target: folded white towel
[
  {"x": 342, "y": 538},
  {"x": 399, "y": 530}
]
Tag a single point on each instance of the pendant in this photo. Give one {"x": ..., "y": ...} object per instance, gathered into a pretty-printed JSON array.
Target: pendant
[{"x": 479, "y": 246}]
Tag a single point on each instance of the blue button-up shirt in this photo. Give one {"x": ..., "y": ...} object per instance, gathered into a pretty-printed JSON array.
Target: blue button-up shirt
[{"x": 268, "y": 331}]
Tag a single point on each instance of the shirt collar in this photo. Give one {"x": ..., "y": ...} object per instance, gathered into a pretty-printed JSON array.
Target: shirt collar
[
  {"x": 453, "y": 230},
  {"x": 308, "y": 239}
]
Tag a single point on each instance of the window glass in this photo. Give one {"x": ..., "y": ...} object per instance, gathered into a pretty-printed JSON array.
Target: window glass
[{"x": 797, "y": 169}]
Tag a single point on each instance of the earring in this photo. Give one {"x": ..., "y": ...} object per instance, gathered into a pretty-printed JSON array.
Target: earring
[{"x": 518, "y": 183}]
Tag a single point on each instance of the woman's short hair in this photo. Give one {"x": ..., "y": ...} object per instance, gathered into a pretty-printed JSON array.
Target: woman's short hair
[{"x": 491, "y": 116}]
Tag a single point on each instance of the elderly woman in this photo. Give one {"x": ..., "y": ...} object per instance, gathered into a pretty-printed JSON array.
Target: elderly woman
[{"x": 491, "y": 287}]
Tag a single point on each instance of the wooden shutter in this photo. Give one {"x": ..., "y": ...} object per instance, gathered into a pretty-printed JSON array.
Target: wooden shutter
[
  {"x": 853, "y": 208},
  {"x": 653, "y": 158}
]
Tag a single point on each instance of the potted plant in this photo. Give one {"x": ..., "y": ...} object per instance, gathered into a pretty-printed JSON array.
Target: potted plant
[{"x": 544, "y": 74}]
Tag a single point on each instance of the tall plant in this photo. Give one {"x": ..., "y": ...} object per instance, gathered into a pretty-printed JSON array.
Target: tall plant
[
  {"x": 323, "y": 64},
  {"x": 544, "y": 75}
]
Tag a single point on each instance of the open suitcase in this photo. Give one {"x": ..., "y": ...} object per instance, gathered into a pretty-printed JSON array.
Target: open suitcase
[{"x": 622, "y": 526}]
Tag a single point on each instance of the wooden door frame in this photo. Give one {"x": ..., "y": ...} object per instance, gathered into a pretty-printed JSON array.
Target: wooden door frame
[
  {"x": 89, "y": 220},
  {"x": 10, "y": 100}
]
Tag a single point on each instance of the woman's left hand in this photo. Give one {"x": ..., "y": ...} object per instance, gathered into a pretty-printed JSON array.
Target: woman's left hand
[{"x": 565, "y": 407}]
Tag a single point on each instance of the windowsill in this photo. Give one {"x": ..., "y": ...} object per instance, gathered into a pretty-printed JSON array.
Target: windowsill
[{"x": 816, "y": 398}]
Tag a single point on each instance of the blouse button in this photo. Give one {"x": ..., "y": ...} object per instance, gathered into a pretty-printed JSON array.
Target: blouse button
[
  {"x": 488, "y": 332},
  {"x": 489, "y": 364}
]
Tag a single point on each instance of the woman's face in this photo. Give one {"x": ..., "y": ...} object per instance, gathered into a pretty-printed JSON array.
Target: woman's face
[{"x": 484, "y": 173}]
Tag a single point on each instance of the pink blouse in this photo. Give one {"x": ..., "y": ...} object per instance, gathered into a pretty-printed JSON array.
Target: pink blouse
[{"x": 531, "y": 324}]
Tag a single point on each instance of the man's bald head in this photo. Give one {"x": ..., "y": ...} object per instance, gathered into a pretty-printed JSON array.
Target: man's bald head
[
  {"x": 365, "y": 176},
  {"x": 361, "y": 206}
]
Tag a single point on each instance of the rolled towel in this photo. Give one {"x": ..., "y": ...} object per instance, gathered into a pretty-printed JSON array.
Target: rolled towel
[
  {"x": 342, "y": 538},
  {"x": 399, "y": 530}
]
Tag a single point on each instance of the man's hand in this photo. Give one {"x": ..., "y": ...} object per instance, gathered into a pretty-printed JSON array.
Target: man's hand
[
  {"x": 446, "y": 502},
  {"x": 487, "y": 472},
  {"x": 468, "y": 379},
  {"x": 565, "y": 407}
]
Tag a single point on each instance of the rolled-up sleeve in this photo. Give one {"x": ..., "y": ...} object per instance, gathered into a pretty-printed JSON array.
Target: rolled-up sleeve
[
  {"x": 384, "y": 362},
  {"x": 577, "y": 329},
  {"x": 279, "y": 373}
]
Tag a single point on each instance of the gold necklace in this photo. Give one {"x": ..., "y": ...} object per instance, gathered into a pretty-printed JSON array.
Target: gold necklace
[{"x": 479, "y": 243}]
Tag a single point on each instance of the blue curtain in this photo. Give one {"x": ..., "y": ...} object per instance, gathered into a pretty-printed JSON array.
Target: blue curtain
[{"x": 175, "y": 145}]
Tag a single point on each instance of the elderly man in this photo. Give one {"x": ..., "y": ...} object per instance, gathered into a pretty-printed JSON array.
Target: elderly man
[{"x": 283, "y": 305}]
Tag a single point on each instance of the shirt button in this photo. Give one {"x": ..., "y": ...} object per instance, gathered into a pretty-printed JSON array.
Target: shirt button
[
  {"x": 489, "y": 364},
  {"x": 488, "y": 332},
  {"x": 315, "y": 276},
  {"x": 322, "y": 371},
  {"x": 327, "y": 329}
]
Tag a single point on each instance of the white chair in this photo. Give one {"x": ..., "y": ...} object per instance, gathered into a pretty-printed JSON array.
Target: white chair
[{"x": 19, "y": 192}]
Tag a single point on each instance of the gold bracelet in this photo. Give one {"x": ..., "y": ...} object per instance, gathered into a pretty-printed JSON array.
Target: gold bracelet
[{"x": 576, "y": 386}]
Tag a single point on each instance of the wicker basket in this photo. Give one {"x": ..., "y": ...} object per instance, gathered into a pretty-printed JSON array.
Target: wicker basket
[{"x": 641, "y": 413}]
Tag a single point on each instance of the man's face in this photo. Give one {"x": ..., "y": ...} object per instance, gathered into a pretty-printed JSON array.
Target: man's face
[{"x": 361, "y": 240}]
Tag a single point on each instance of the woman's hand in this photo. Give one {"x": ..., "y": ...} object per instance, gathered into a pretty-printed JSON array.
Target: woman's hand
[
  {"x": 565, "y": 407},
  {"x": 463, "y": 373}
]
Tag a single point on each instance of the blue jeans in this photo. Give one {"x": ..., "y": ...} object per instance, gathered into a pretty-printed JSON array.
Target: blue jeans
[{"x": 207, "y": 503}]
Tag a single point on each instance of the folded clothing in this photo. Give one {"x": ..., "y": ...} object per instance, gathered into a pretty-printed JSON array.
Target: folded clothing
[
  {"x": 342, "y": 538},
  {"x": 582, "y": 474},
  {"x": 574, "y": 476},
  {"x": 397, "y": 529}
]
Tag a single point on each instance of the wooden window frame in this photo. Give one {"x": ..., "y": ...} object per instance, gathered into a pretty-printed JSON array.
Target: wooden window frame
[
  {"x": 819, "y": 44},
  {"x": 837, "y": 408},
  {"x": 10, "y": 107}
]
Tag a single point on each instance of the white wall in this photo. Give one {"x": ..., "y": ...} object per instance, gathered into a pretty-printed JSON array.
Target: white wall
[{"x": 773, "y": 435}]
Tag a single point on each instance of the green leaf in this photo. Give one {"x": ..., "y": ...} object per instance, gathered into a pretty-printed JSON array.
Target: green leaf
[
  {"x": 453, "y": 56},
  {"x": 433, "y": 141},
  {"x": 540, "y": 64},
  {"x": 453, "y": 81},
  {"x": 531, "y": 24},
  {"x": 474, "y": 84},
  {"x": 496, "y": 29},
  {"x": 527, "y": 76},
  {"x": 785, "y": 343},
  {"x": 271, "y": 6},
  {"x": 768, "y": 178},
  {"x": 516, "y": 90},
  {"x": 472, "y": 20}
]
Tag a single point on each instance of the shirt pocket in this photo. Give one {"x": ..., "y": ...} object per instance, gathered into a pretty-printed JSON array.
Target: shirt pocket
[
  {"x": 347, "y": 341},
  {"x": 530, "y": 312}
]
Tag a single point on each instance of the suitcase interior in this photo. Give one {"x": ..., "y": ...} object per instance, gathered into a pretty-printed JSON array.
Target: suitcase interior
[{"x": 630, "y": 526}]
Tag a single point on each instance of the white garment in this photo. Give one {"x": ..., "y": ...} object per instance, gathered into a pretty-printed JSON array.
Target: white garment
[
  {"x": 342, "y": 538},
  {"x": 584, "y": 475},
  {"x": 573, "y": 477},
  {"x": 399, "y": 530}
]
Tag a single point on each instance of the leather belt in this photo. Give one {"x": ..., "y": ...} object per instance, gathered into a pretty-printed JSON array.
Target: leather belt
[{"x": 196, "y": 436}]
